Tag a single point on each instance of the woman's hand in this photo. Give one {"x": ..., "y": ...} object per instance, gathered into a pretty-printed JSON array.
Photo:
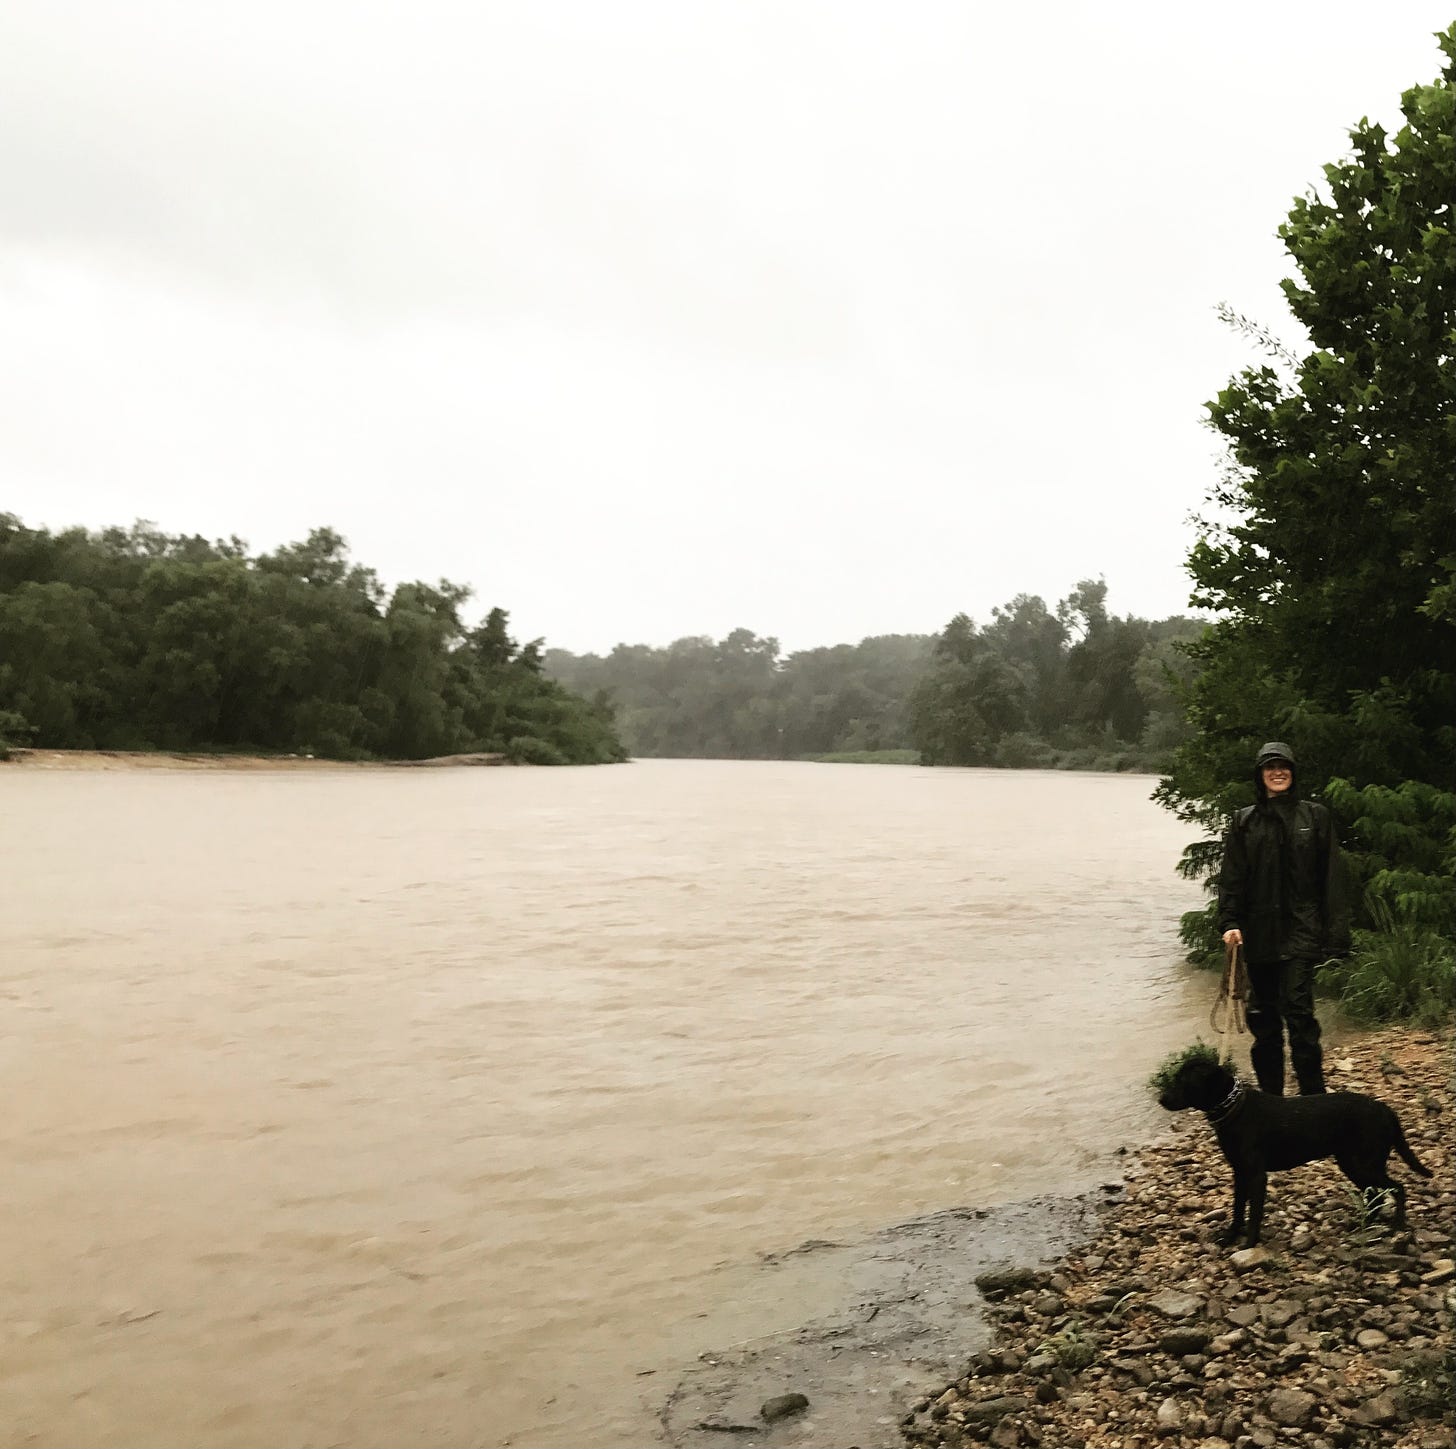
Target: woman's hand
[{"x": 1233, "y": 937}]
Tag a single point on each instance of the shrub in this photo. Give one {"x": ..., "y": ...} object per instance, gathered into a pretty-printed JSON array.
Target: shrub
[
  {"x": 1021, "y": 751},
  {"x": 15, "y": 731},
  {"x": 1072, "y": 1349},
  {"x": 529, "y": 750}
]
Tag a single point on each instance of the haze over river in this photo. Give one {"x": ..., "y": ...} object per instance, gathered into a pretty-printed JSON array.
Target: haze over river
[{"x": 436, "y": 1107}]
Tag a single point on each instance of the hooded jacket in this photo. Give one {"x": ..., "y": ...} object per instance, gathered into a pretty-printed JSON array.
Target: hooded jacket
[{"x": 1282, "y": 882}]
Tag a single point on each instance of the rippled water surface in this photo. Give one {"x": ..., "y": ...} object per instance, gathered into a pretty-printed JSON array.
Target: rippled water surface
[{"x": 433, "y": 1107}]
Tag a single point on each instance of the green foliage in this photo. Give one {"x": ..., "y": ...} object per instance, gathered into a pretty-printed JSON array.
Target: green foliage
[
  {"x": 1402, "y": 847},
  {"x": 15, "y": 731},
  {"x": 1072, "y": 1348},
  {"x": 527, "y": 750},
  {"x": 1404, "y": 972},
  {"x": 1076, "y": 690},
  {"x": 1167, "y": 1069},
  {"x": 1334, "y": 576},
  {"x": 133, "y": 639},
  {"x": 1201, "y": 938},
  {"x": 867, "y": 757},
  {"x": 736, "y": 698}
]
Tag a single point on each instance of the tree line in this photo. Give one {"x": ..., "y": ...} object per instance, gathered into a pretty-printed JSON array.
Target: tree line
[
  {"x": 132, "y": 639},
  {"x": 1071, "y": 687}
]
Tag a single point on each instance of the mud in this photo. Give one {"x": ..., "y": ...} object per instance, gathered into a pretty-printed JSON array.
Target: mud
[{"x": 908, "y": 1317}]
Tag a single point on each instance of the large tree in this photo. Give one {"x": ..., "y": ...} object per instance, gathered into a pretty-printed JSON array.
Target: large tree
[{"x": 1332, "y": 565}]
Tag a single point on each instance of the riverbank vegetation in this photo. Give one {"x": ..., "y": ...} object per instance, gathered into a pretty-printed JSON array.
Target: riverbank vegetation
[
  {"x": 1072, "y": 687},
  {"x": 1331, "y": 562},
  {"x": 131, "y": 639}
]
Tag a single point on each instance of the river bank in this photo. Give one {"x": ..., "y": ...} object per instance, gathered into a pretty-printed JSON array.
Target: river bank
[
  {"x": 1113, "y": 1319},
  {"x": 32, "y": 759},
  {"x": 1329, "y": 1334}
]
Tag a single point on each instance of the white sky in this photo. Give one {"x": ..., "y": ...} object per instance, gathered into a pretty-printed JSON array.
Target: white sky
[{"x": 652, "y": 319}]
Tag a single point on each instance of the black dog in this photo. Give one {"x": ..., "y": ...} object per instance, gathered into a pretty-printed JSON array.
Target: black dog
[{"x": 1260, "y": 1134}]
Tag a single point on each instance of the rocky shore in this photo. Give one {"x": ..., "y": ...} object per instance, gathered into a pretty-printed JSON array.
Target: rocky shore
[{"x": 1329, "y": 1334}]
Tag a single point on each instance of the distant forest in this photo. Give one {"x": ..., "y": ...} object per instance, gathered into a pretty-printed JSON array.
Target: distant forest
[
  {"x": 131, "y": 639},
  {"x": 1072, "y": 687}
]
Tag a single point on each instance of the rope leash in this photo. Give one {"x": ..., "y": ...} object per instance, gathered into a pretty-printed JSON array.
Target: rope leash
[{"x": 1229, "y": 1014}]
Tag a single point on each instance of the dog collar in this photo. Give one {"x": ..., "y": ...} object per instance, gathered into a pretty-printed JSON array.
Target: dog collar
[{"x": 1228, "y": 1106}]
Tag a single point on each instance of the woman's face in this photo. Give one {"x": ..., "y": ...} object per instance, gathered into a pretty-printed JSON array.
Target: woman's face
[{"x": 1278, "y": 777}]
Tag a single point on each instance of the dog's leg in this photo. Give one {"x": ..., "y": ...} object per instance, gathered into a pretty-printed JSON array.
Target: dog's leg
[
  {"x": 1235, "y": 1229},
  {"x": 1375, "y": 1183},
  {"x": 1258, "y": 1187},
  {"x": 1399, "y": 1220}
]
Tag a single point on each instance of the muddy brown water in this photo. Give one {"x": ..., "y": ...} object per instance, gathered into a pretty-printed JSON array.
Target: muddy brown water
[{"x": 457, "y": 1107}]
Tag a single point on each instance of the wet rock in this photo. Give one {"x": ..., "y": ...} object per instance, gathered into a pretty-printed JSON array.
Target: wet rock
[
  {"x": 781, "y": 1406},
  {"x": 1136, "y": 1368},
  {"x": 1180, "y": 1341},
  {"x": 1377, "y": 1412},
  {"x": 1247, "y": 1259},
  {"x": 1281, "y": 1312},
  {"x": 992, "y": 1411},
  {"x": 1169, "y": 1417},
  {"x": 1290, "y": 1407},
  {"x": 1001, "y": 1281},
  {"x": 1174, "y": 1304}
]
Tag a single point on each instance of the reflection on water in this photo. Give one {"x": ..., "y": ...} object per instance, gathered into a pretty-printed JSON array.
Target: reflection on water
[{"x": 435, "y": 1107}]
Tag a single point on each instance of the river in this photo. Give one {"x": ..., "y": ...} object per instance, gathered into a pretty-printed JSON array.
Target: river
[{"x": 447, "y": 1107}]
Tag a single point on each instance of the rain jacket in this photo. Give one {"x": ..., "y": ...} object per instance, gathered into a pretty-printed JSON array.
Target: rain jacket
[{"x": 1283, "y": 881}]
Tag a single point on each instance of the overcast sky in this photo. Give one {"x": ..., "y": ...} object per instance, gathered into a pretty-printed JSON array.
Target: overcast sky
[{"x": 653, "y": 319}]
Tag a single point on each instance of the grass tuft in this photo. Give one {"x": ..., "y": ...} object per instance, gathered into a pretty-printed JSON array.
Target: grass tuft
[{"x": 1405, "y": 974}]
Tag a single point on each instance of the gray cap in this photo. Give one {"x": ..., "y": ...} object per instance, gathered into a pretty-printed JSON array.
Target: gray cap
[{"x": 1274, "y": 750}]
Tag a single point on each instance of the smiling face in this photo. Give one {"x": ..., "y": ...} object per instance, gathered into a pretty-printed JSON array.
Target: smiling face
[{"x": 1278, "y": 776}]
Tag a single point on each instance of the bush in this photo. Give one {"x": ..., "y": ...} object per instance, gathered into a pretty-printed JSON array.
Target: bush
[
  {"x": 15, "y": 731},
  {"x": 1405, "y": 973},
  {"x": 1023, "y": 752},
  {"x": 528, "y": 750}
]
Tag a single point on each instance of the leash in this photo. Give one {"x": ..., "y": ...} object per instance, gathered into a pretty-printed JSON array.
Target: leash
[{"x": 1228, "y": 1016}]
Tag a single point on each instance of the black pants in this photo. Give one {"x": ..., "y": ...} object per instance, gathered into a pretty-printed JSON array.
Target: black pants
[{"x": 1282, "y": 996}]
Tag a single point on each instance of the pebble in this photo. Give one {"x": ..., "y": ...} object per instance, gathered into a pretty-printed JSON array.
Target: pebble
[{"x": 781, "y": 1406}]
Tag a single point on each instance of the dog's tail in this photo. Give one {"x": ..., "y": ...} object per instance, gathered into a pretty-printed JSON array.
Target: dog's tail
[{"x": 1406, "y": 1155}]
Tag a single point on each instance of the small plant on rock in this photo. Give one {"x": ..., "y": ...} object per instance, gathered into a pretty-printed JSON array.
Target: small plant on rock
[{"x": 1072, "y": 1349}]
